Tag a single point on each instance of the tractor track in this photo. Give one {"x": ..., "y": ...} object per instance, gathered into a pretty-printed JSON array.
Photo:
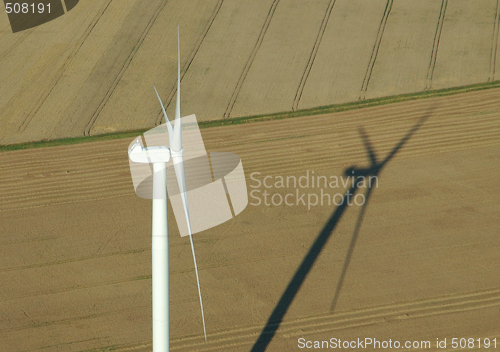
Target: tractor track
[
  {"x": 18, "y": 42},
  {"x": 125, "y": 66},
  {"x": 376, "y": 47},
  {"x": 312, "y": 56},
  {"x": 37, "y": 177},
  {"x": 82, "y": 287},
  {"x": 75, "y": 319},
  {"x": 188, "y": 63},
  {"x": 327, "y": 323},
  {"x": 67, "y": 62},
  {"x": 435, "y": 45},
  {"x": 494, "y": 44},
  {"x": 251, "y": 58},
  {"x": 235, "y": 338},
  {"x": 73, "y": 260},
  {"x": 89, "y": 172}
]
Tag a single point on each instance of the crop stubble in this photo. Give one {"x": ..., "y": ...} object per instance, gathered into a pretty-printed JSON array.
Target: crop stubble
[
  {"x": 91, "y": 71},
  {"x": 404, "y": 54},
  {"x": 426, "y": 255},
  {"x": 278, "y": 65},
  {"x": 466, "y": 43}
]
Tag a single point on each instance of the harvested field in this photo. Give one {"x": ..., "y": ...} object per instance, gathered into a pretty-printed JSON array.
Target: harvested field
[
  {"x": 92, "y": 70},
  {"x": 469, "y": 39},
  {"x": 404, "y": 54},
  {"x": 278, "y": 66},
  {"x": 338, "y": 73},
  {"x": 418, "y": 261},
  {"x": 216, "y": 69}
]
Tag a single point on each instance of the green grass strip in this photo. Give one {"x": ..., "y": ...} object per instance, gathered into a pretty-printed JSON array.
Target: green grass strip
[
  {"x": 266, "y": 117},
  {"x": 72, "y": 140}
]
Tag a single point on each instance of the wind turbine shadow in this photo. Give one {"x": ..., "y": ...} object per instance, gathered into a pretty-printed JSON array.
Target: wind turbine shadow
[
  {"x": 305, "y": 267},
  {"x": 372, "y": 171}
]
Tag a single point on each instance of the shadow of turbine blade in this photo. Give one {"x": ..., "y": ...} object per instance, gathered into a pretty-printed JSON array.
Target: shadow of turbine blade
[
  {"x": 374, "y": 170},
  {"x": 26, "y": 14},
  {"x": 286, "y": 299}
]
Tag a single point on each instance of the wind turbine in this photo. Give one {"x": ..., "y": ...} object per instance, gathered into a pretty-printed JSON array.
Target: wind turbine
[{"x": 230, "y": 180}]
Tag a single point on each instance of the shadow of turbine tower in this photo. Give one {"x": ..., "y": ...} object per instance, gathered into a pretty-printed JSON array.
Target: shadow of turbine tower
[{"x": 275, "y": 319}]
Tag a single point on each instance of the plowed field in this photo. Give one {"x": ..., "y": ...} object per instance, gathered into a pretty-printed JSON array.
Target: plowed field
[{"x": 418, "y": 261}]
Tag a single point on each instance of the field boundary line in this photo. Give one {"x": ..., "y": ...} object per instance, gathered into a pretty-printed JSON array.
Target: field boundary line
[
  {"x": 312, "y": 56},
  {"x": 326, "y": 109},
  {"x": 125, "y": 66},
  {"x": 248, "y": 64},
  {"x": 188, "y": 63},
  {"x": 435, "y": 45},
  {"x": 376, "y": 47}
]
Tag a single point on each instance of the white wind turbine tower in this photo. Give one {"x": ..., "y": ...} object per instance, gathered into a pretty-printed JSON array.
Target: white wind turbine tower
[
  {"x": 159, "y": 156},
  {"x": 228, "y": 172}
]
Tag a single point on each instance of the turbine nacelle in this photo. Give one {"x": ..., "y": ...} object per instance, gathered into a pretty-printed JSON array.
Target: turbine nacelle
[{"x": 149, "y": 155}]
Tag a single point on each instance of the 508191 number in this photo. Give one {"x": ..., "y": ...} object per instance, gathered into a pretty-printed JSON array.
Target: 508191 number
[
  {"x": 27, "y": 8},
  {"x": 462, "y": 343}
]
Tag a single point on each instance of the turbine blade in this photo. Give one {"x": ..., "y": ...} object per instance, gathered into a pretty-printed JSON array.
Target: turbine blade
[
  {"x": 199, "y": 289},
  {"x": 178, "y": 161},
  {"x": 181, "y": 180},
  {"x": 177, "y": 140},
  {"x": 169, "y": 125}
]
